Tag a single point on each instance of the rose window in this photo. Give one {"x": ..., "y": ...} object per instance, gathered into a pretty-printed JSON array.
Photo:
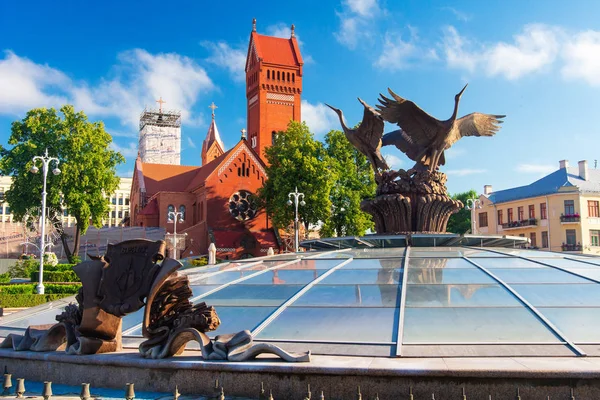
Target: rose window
[{"x": 242, "y": 205}]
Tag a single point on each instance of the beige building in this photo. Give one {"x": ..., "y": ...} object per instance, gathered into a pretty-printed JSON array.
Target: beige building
[
  {"x": 559, "y": 212},
  {"x": 119, "y": 204}
]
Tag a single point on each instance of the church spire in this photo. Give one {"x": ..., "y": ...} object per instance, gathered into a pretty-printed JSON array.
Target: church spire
[{"x": 212, "y": 147}]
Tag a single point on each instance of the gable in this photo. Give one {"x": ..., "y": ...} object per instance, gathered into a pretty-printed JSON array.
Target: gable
[{"x": 236, "y": 155}]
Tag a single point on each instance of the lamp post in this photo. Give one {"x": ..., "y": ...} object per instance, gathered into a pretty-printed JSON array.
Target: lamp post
[
  {"x": 298, "y": 199},
  {"x": 175, "y": 215},
  {"x": 472, "y": 204},
  {"x": 46, "y": 160}
]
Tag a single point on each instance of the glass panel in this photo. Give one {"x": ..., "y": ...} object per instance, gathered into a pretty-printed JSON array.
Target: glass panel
[
  {"x": 335, "y": 324},
  {"x": 198, "y": 290},
  {"x": 378, "y": 253},
  {"x": 447, "y": 275},
  {"x": 593, "y": 260},
  {"x": 236, "y": 319},
  {"x": 314, "y": 264},
  {"x": 281, "y": 276},
  {"x": 481, "y": 253},
  {"x": 531, "y": 253},
  {"x": 436, "y": 252},
  {"x": 337, "y": 254},
  {"x": 509, "y": 262},
  {"x": 578, "y": 324},
  {"x": 536, "y": 275},
  {"x": 592, "y": 273},
  {"x": 252, "y": 295},
  {"x": 131, "y": 320},
  {"x": 354, "y": 276},
  {"x": 439, "y": 263},
  {"x": 560, "y": 295},
  {"x": 473, "y": 325},
  {"x": 388, "y": 263},
  {"x": 565, "y": 263},
  {"x": 459, "y": 296},
  {"x": 350, "y": 296}
]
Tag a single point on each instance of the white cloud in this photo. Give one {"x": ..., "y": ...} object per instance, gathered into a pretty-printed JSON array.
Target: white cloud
[
  {"x": 225, "y": 56},
  {"x": 356, "y": 21},
  {"x": 535, "y": 168},
  {"x": 319, "y": 118},
  {"x": 581, "y": 55},
  {"x": 393, "y": 161},
  {"x": 138, "y": 79},
  {"x": 460, "y": 15},
  {"x": 363, "y": 8},
  {"x": 125, "y": 134},
  {"x": 25, "y": 85},
  {"x": 191, "y": 142},
  {"x": 536, "y": 47},
  {"x": 129, "y": 151},
  {"x": 465, "y": 171},
  {"x": 399, "y": 54}
]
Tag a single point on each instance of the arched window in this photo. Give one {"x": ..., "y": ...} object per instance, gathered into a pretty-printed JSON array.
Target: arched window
[
  {"x": 288, "y": 76},
  {"x": 293, "y": 77},
  {"x": 182, "y": 211},
  {"x": 170, "y": 209},
  {"x": 268, "y": 74},
  {"x": 273, "y": 137},
  {"x": 278, "y": 76}
]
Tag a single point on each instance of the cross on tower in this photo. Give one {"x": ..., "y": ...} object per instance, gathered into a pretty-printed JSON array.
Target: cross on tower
[
  {"x": 160, "y": 103},
  {"x": 213, "y": 107}
]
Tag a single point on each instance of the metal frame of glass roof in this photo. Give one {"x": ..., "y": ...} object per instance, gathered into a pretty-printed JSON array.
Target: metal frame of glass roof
[{"x": 399, "y": 301}]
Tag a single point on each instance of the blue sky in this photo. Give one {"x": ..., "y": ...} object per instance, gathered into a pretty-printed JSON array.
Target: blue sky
[{"x": 538, "y": 62}]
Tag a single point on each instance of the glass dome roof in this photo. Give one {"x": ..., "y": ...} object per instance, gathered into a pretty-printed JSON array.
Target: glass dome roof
[{"x": 402, "y": 301}]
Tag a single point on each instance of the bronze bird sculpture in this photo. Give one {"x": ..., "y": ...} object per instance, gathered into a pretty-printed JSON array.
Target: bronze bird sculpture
[
  {"x": 366, "y": 137},
  {"x": 424, "y": 138}
]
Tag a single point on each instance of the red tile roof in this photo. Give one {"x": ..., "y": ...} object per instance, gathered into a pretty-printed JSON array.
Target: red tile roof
[
  {"x": 205, "y": 171},
  {"x": 167, "y": 178},
  {"x": 275, "y": 50}
]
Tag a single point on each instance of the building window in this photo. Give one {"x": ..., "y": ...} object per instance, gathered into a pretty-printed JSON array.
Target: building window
[
  {"x": 113, "y": 200},
  {"x": 126, "y": 214},
  {"x": 120, "y": 201},
  {"x": 268, "y": 74},
  {"x": 65, "y": 212},
  {"x": 500, "y": 217},
  {"x": 273, "y": 137},
  {"x": 531, "y": 211},
  {"x": 7, "y": 212},
  {"x": 182, "y": 212},
  {"x": 120, "y": 214},
  {"x": 126, "y": 201},
  {"x": 571, "y": 236},
  {"x": 170, "y": 209},
  {"x": 543, "y": 212},
  {"x": 483, "y": 220},
  {"x": 113, "y": 214},
  {"x": 569, "y": 207},
  {"x": 1, "y": 210},
  {"x": 520, "y": 213},
  {"x": 293, "y": 77},
  {"x": 253, "y": 141},
  {"x": 593, "y": 208},
  {"x": 545, "y": 239},
  {"x": 533, "y": 238},
  {"x": 510, "y": 215},
  {"x": 595, "y": 237}
]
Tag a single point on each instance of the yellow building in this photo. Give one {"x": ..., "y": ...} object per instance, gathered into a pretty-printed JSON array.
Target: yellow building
[
  {"x": 119, "y": 204},
  {"x": 559, "y": 212}
]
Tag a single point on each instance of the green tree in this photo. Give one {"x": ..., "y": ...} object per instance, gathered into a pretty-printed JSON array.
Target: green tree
[
  {"x": 296, "y": 159},
  {"x": 461, "y": 221},
  {"x": 354, "y": 181},
  {"x": 86, "y": 161}
]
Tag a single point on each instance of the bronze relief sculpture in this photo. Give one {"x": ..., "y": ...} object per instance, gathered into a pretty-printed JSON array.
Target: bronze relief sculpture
[{"x": 413, "y": 200}]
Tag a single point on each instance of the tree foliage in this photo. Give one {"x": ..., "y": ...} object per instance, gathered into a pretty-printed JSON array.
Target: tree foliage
[
  {"x": 86, "y": 161},
  {"x": 461, "y": 221},
  {"x": 296, "y": 159},
  {"x": 354, "y": 181}
]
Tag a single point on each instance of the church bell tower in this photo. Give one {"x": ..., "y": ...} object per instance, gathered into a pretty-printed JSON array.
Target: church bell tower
[{"x": 273, "y": 87}]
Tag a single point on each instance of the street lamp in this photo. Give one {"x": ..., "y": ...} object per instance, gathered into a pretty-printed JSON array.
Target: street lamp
[
  {"x": 297, "y": 197},
  {"x": 471, "y": 205},
  {"x": 46, "y": 160},
  {"x": 175, "y": 215}
]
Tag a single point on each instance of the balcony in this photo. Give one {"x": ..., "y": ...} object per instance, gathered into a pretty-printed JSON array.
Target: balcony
[
  {"x": 571, "y": 247},
  {"x": 570, "y": 219},
  {"x": 520, "y": 224}
]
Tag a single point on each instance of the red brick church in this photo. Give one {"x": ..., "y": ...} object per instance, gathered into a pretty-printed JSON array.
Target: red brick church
[{"x": 216, "y": 198}]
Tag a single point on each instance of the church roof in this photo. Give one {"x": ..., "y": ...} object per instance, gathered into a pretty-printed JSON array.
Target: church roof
[
  {"x": 274, "y": 50},
  {"x": 166, "y": 177},
  {"x": 212, "y": 136},
  {"x": 205, "y": 171}
]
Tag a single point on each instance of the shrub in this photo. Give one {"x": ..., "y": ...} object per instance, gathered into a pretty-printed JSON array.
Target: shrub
[
  {"x": 27, "y": 300},
  {"x": 56, "y": 276},
  {"x": 50, "y": 288},
  {"x": 199, "y": 262},
  {"x": 50, "y": 259},
  {"x": 19, "y": 288},
  {"x": 24, "y": 268},
  {"x": 74, "y": 259},
  {"x": 68, "y": 289},
  {"x": 59, "y": 267},
  {"x": 5, "y": 277}
]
